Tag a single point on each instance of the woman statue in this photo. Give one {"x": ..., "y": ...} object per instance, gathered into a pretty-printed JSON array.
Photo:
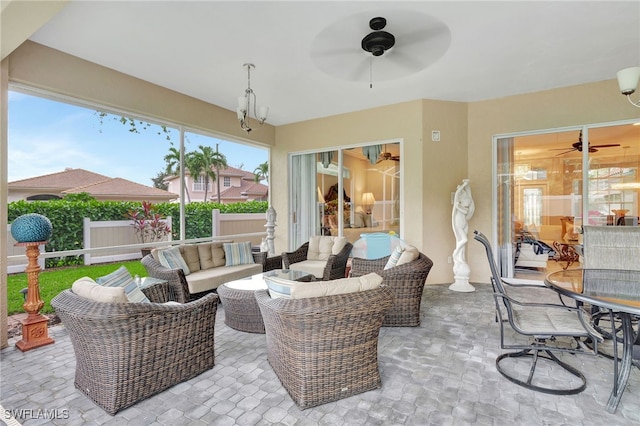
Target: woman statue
[{"x": 463, "y": 209}]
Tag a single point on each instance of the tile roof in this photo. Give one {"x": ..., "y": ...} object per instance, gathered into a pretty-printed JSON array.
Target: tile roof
[
  {"x": 241, "y": 193},
  {"x": 119, "y": 186},
  {"x": 69, "y": 178},
  {"x": 74, "y": 181}
]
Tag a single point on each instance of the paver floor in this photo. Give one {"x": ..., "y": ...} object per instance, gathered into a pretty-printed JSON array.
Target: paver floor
[{"x": 441, "y": 373}]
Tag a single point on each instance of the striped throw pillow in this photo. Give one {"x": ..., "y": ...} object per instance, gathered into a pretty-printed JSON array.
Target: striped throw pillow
[
  {"x": 172, "y": 258},
  {"x": 122, "y": 278},
  {"x": 238, "y": 253},
  {"x": 395, "y": 256}
]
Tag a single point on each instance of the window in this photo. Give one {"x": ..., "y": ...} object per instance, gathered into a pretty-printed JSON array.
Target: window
[
  {"x": 200, "y": 182},
  {"x": 226, "y": 181}
]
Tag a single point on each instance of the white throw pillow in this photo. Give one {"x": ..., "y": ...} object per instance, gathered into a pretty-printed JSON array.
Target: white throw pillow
[{"x": 89, "y": 289}]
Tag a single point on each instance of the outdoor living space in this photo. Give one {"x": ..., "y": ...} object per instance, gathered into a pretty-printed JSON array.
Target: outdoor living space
[
  {"x": 442, "y": 372},
  {"x": 355, "y": 144}
]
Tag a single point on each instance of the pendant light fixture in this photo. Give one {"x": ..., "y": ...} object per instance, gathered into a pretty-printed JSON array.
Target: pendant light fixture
[{"x": 247, "y": 102}]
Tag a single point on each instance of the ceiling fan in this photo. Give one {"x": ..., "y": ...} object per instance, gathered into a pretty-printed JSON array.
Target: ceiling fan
[
  {"x": 577, "y": 146},
  {"x": 386, "y": 155},
  {"x": 392, "y": 44}
]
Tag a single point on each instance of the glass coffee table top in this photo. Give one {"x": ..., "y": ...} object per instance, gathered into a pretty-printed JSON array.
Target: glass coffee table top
[
  {"x": 289, "y": 274},
  {"x": 256, "y": 282}
]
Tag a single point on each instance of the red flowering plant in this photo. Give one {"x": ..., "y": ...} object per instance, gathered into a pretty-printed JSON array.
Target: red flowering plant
[{"x": 148, "y": 224}]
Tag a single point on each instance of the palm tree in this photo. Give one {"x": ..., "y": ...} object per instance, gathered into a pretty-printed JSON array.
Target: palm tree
[
  {"x": 193, "y": 162},
  {"x": 173, "y": 166},
  {"x": 205, "y": 161},
  {"x": 262, "y": 172},
  {"x": 218, "y": 161}
]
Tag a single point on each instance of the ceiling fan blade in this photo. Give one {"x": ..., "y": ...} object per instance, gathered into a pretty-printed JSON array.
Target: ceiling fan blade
[
  {"x": 609, "y": 145},
  {"x": 343, "y": 51},
  {"x": 360, "y": 72},
  {"x": 566, "y": 152}
]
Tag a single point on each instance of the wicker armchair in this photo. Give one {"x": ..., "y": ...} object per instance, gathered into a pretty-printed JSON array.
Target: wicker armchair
[
  {"x": 407, "y": 283},
  {"x": 333, "y": 270},
  {"x": 325, "y": 348},
  {"x": 127, "y": 352},
  {"x": 178, "y": 286}
]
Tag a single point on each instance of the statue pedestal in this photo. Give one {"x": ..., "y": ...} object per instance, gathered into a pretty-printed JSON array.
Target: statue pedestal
[
  {"x": 35, "y": 332},
  {"x": 461, "y": 272},
  {"x": 462, "y": 285}
]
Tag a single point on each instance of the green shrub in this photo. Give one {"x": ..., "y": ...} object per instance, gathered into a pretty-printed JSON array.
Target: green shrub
[{"x": 67, "y": 217}]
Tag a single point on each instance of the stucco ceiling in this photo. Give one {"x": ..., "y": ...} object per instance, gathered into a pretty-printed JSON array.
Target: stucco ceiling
[{"x": 308, "y": 58}]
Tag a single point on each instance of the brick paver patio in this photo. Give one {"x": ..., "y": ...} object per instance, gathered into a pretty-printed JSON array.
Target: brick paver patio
[{"x": 441, "y": 373}]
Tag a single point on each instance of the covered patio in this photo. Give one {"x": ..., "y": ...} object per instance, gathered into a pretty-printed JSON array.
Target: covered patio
[{"x": 441, "y": 372}]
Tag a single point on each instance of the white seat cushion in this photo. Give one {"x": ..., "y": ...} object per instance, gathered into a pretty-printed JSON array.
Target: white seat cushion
[
  {"x": 287, "y": 289},
  {"x": 209, "y": 279},
  {"x": 313, "y": 267}
]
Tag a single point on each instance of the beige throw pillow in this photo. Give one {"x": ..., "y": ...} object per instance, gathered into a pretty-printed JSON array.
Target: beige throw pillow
[
  {"x": 409, "y": 254},
  {"x": 323, "y": 246},
  {"x": 190, "y": 255},
  {"x": 89, "y": 289}
]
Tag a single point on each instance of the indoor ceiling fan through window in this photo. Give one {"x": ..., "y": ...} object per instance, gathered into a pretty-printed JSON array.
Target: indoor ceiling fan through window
[{"x": 577, "y": 146}]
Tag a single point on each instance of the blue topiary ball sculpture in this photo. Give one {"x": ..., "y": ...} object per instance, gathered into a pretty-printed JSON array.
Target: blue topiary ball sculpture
[{"x": 31, "y": 227}]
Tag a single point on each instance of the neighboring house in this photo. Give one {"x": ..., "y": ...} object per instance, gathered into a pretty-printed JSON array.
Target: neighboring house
[
  {"x": 75, "y": 181},
  {"x": 236, "y": 185}
]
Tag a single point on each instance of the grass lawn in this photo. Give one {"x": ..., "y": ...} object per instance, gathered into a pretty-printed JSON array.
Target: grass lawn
[{"x": 53, "y": 281}]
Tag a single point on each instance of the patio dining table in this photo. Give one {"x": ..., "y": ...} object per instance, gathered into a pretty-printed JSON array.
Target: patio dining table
[{"x": 617, "y": 291}]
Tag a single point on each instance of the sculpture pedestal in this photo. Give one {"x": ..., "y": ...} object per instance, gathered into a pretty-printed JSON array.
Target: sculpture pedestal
[
  {"x": 462, "y": 285},
  {"x": 35, "y": 332},
  {"x": 461, "y": 273}
]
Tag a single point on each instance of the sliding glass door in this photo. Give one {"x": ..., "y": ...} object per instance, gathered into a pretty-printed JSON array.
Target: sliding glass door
[
  {"x": 540, "y": 183},
  {"x": 345, "y": 192}
]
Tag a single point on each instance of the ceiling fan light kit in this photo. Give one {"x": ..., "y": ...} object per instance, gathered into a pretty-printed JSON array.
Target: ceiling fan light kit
[
  {"x": 245, "y": 103},
  {"x": 628, "y": 82}
]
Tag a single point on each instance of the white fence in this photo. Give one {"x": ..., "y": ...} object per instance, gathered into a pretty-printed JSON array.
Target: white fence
[
  {"x": 114, "y": 241},
  {"x": 112, "y": 233}
]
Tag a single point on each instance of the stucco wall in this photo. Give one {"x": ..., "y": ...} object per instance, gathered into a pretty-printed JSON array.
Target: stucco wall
[{"x": 431, "y": 170}]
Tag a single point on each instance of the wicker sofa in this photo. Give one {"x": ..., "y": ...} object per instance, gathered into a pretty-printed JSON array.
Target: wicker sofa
[
  {"x": 325, "y": 348},
  {"x": 127, "y": 352},
  {"x": 407, "y": 283},
  {"x": 206, "y": 271}
]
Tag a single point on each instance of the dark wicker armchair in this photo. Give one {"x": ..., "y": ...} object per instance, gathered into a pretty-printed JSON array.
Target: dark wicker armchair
[
  {"x": 407, "y": 283},
  {"x": 333, "y": 270},
  {"x": 325, "y": 348},
  {"x": 127, "y": 352},
  {"x": 178, "y": 286}
]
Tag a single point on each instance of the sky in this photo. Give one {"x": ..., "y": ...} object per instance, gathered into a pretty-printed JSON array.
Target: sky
[{"x": 48, "y": 136}]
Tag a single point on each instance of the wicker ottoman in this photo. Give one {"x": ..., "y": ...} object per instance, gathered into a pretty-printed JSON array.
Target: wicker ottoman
[{"x": 241, "y": 311}]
